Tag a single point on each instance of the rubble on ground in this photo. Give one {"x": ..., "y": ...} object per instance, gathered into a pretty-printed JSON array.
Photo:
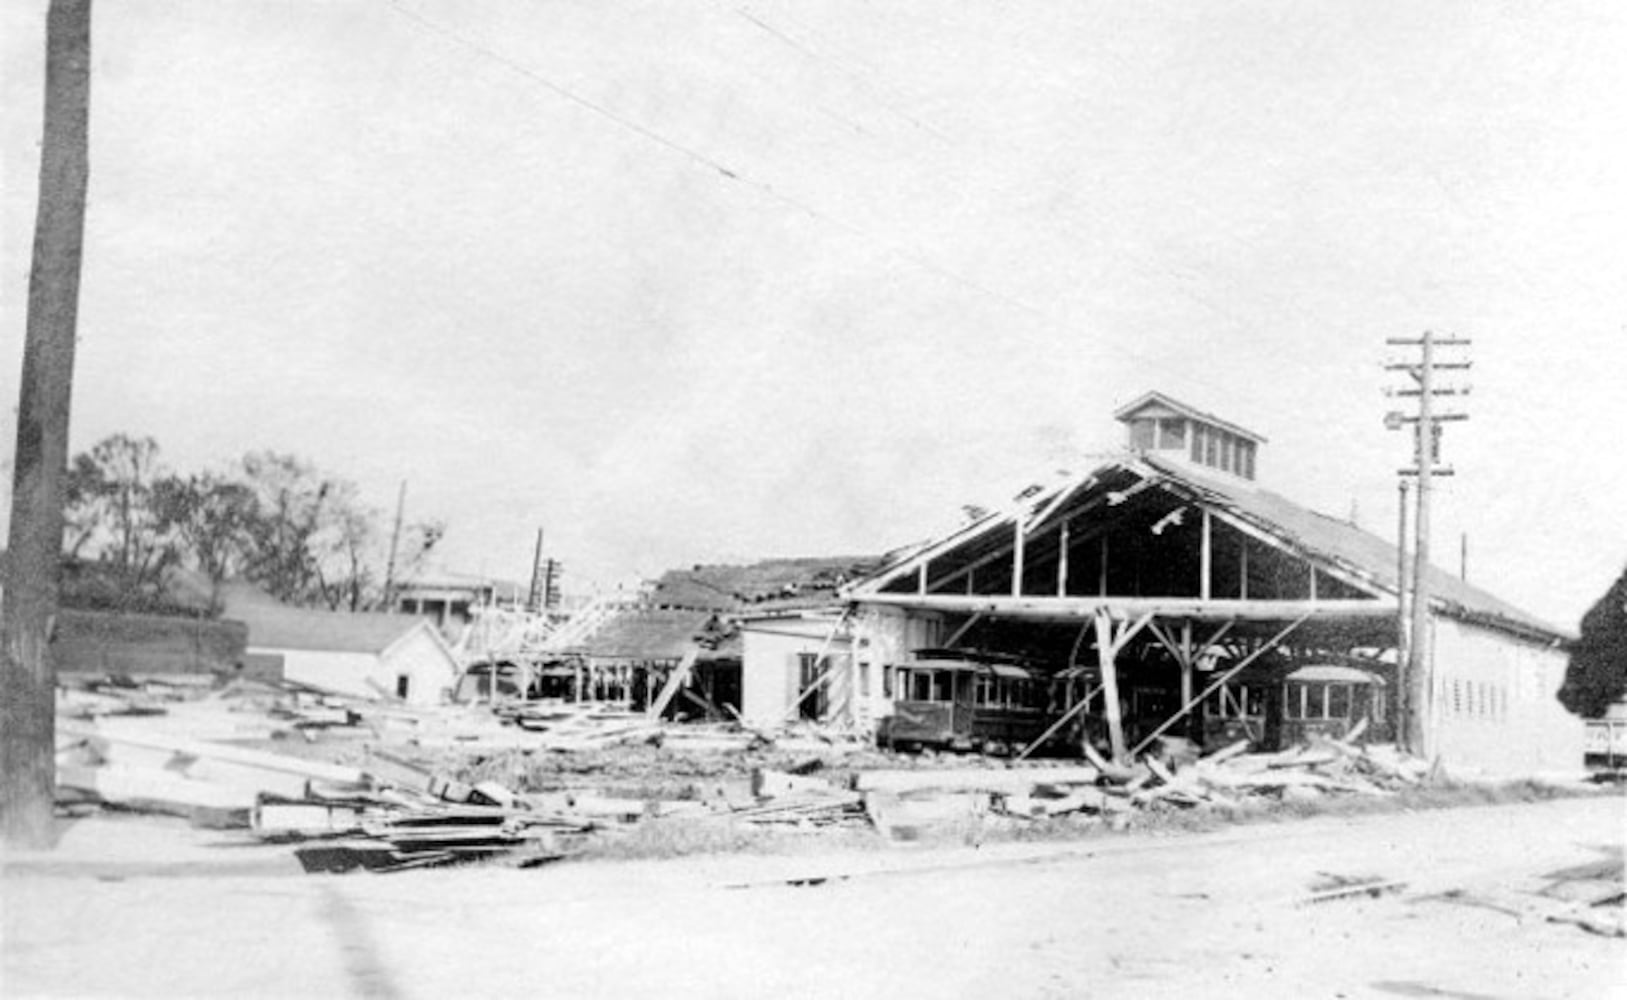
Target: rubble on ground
[{"x": 381, "y": 786}]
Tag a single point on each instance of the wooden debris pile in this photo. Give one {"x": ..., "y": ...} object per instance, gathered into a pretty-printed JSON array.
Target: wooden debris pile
[
  {"x": 593, "y": 770},
  {"x": 400, "y": 839},
  {"x": 579, "y": 727},
  {"x": 1174, "y": 773},
  {"x": 389, "y": 817}
]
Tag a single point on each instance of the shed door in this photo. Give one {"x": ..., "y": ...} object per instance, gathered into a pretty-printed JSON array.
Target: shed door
[{"x": 810, "y": 667}]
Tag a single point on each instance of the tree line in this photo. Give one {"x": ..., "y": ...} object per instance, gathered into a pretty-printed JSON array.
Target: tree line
[{"x": 270, "y": 518}]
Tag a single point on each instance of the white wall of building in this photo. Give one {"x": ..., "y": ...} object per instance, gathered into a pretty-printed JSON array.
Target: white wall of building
[
  {"x": 341, "y": 673},
  {"x": 1494, "y": 707},
  {"x": 770, "y": 672},
  {"x": 887, "y": 637},
  {"x": 422, "y": 658},
  {"x": 425, "y": 663}
]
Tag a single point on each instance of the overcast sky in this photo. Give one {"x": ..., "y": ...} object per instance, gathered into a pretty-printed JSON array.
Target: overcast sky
[{"x": 713, "y": 281}]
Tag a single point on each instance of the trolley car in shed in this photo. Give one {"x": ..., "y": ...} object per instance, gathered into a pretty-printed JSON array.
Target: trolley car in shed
[{"x": 954, "y": 700}]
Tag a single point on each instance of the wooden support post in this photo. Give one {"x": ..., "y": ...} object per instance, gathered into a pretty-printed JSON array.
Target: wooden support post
[
  {"x": 1077, "y": 707},
  {"x": 1103, "y": 581},
  {"x": 1218, "y": 681},
  {"x": 960, "y": 633},
  {"x": 1106, "y": 655},
  {"x": 920, "y": 581},
  {"x": 1242, "y": 568},
  {"x": 1017, "y": 560},
  {"x": 1062, "y": 561},
  {"x": 679, "y": 675},
  {"x": 1187, "y": 659},
  {"x": 1205, "y": 558}
]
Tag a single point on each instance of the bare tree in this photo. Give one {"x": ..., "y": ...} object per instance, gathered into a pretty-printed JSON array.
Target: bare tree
[
  {"x": 113, "y": 516},
  {"x": 210, "y": 519}
]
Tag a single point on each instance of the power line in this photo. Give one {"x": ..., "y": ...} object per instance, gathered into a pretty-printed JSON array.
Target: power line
[
  {"x": 832, "y": 61},
  {"x": 714, "y": 165},
  {"x": 557, "y": 90}
]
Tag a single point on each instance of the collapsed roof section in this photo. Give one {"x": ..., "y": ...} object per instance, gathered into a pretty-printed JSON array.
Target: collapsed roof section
[
  {"x": 1143, "y": 534},
  {"x": 659, "y": 635},
  {"x": 768, "y": 585}
]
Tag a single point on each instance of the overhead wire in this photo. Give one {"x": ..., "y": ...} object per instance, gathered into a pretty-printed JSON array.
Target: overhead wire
[
  {"x": 1070, "y": 233},
  {"x": 738, "y": 175}
]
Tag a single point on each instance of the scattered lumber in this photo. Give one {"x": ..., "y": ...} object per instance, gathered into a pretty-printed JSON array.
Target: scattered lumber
[
  {"x": 1227, "y": 753},
  {"x": 151, "y": 790},
  {"x": 1349, "y": 890},
  {"x": 1006, "y": 780},
  {"x": 767, "y": 783},
  {"x": 295, "y": 819},
  {"x": 417, "y": 797}
]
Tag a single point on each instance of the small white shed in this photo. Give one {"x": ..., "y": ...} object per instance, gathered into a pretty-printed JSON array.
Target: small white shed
[{"x": 363, "y": 655}]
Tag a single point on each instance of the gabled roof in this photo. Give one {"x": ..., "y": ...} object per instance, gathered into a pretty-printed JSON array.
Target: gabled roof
[
  {"x": 1332, "y": 540},
  {"x": 777, "y": 584},
  {"x": 1129, "y": 410},
  {"x": 1327, "y": 542}
]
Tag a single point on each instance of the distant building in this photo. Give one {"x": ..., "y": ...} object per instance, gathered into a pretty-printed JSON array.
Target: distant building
[
  {"x": 692, "y": 616},
  {"x": 449, "y": 600},
  {"x": 361, "y": 655}
]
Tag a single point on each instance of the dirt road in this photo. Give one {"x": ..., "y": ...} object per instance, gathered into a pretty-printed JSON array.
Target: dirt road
[{"x": 1212, "y": 915}]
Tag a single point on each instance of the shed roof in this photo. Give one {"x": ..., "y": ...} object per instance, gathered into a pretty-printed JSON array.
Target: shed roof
[
  {"x": 1317, "y": 538},
  {"x": 1329, "y": 538}
]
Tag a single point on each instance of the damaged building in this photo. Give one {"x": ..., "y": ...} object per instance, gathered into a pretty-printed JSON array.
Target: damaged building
[{"x": 1164, "y": 592}]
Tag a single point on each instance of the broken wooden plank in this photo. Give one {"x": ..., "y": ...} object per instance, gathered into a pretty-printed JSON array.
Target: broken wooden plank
[
  {"x": 1227, "y": 753},
  {"x": 680, "y": 675},
  {"x": 1374, "y": 889},
  {"x": 153, "y": 789},
  {"x": 767, "y": 783},
  {"x": 1080, "y": 800},
  {"x": 275, "y": 818},
  {"x": 1011, "y": 780},
  {"x": 165, "y": 747}
]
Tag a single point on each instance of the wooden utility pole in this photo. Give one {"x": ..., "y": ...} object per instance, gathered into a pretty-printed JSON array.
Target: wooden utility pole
[
  {"x": 27, "y": 676},
  {"x": 535, "y": 600},
  {"x": 395, "y": 544},
  {"x": 1401, "y": 623},
  {"x": 1427, "y": 434}
]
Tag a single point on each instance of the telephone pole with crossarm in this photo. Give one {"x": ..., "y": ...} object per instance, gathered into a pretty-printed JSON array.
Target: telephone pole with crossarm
[{"x": 1427, "y": 425}]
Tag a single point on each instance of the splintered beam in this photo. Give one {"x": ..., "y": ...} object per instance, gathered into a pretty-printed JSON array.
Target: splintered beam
[
  {"x": 1215, "y": 685},
  {"x": 829, "y": 672}
]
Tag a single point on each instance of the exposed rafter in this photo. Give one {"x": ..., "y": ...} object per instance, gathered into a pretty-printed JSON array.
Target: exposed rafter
[{"x": 1074, "y": 608}]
